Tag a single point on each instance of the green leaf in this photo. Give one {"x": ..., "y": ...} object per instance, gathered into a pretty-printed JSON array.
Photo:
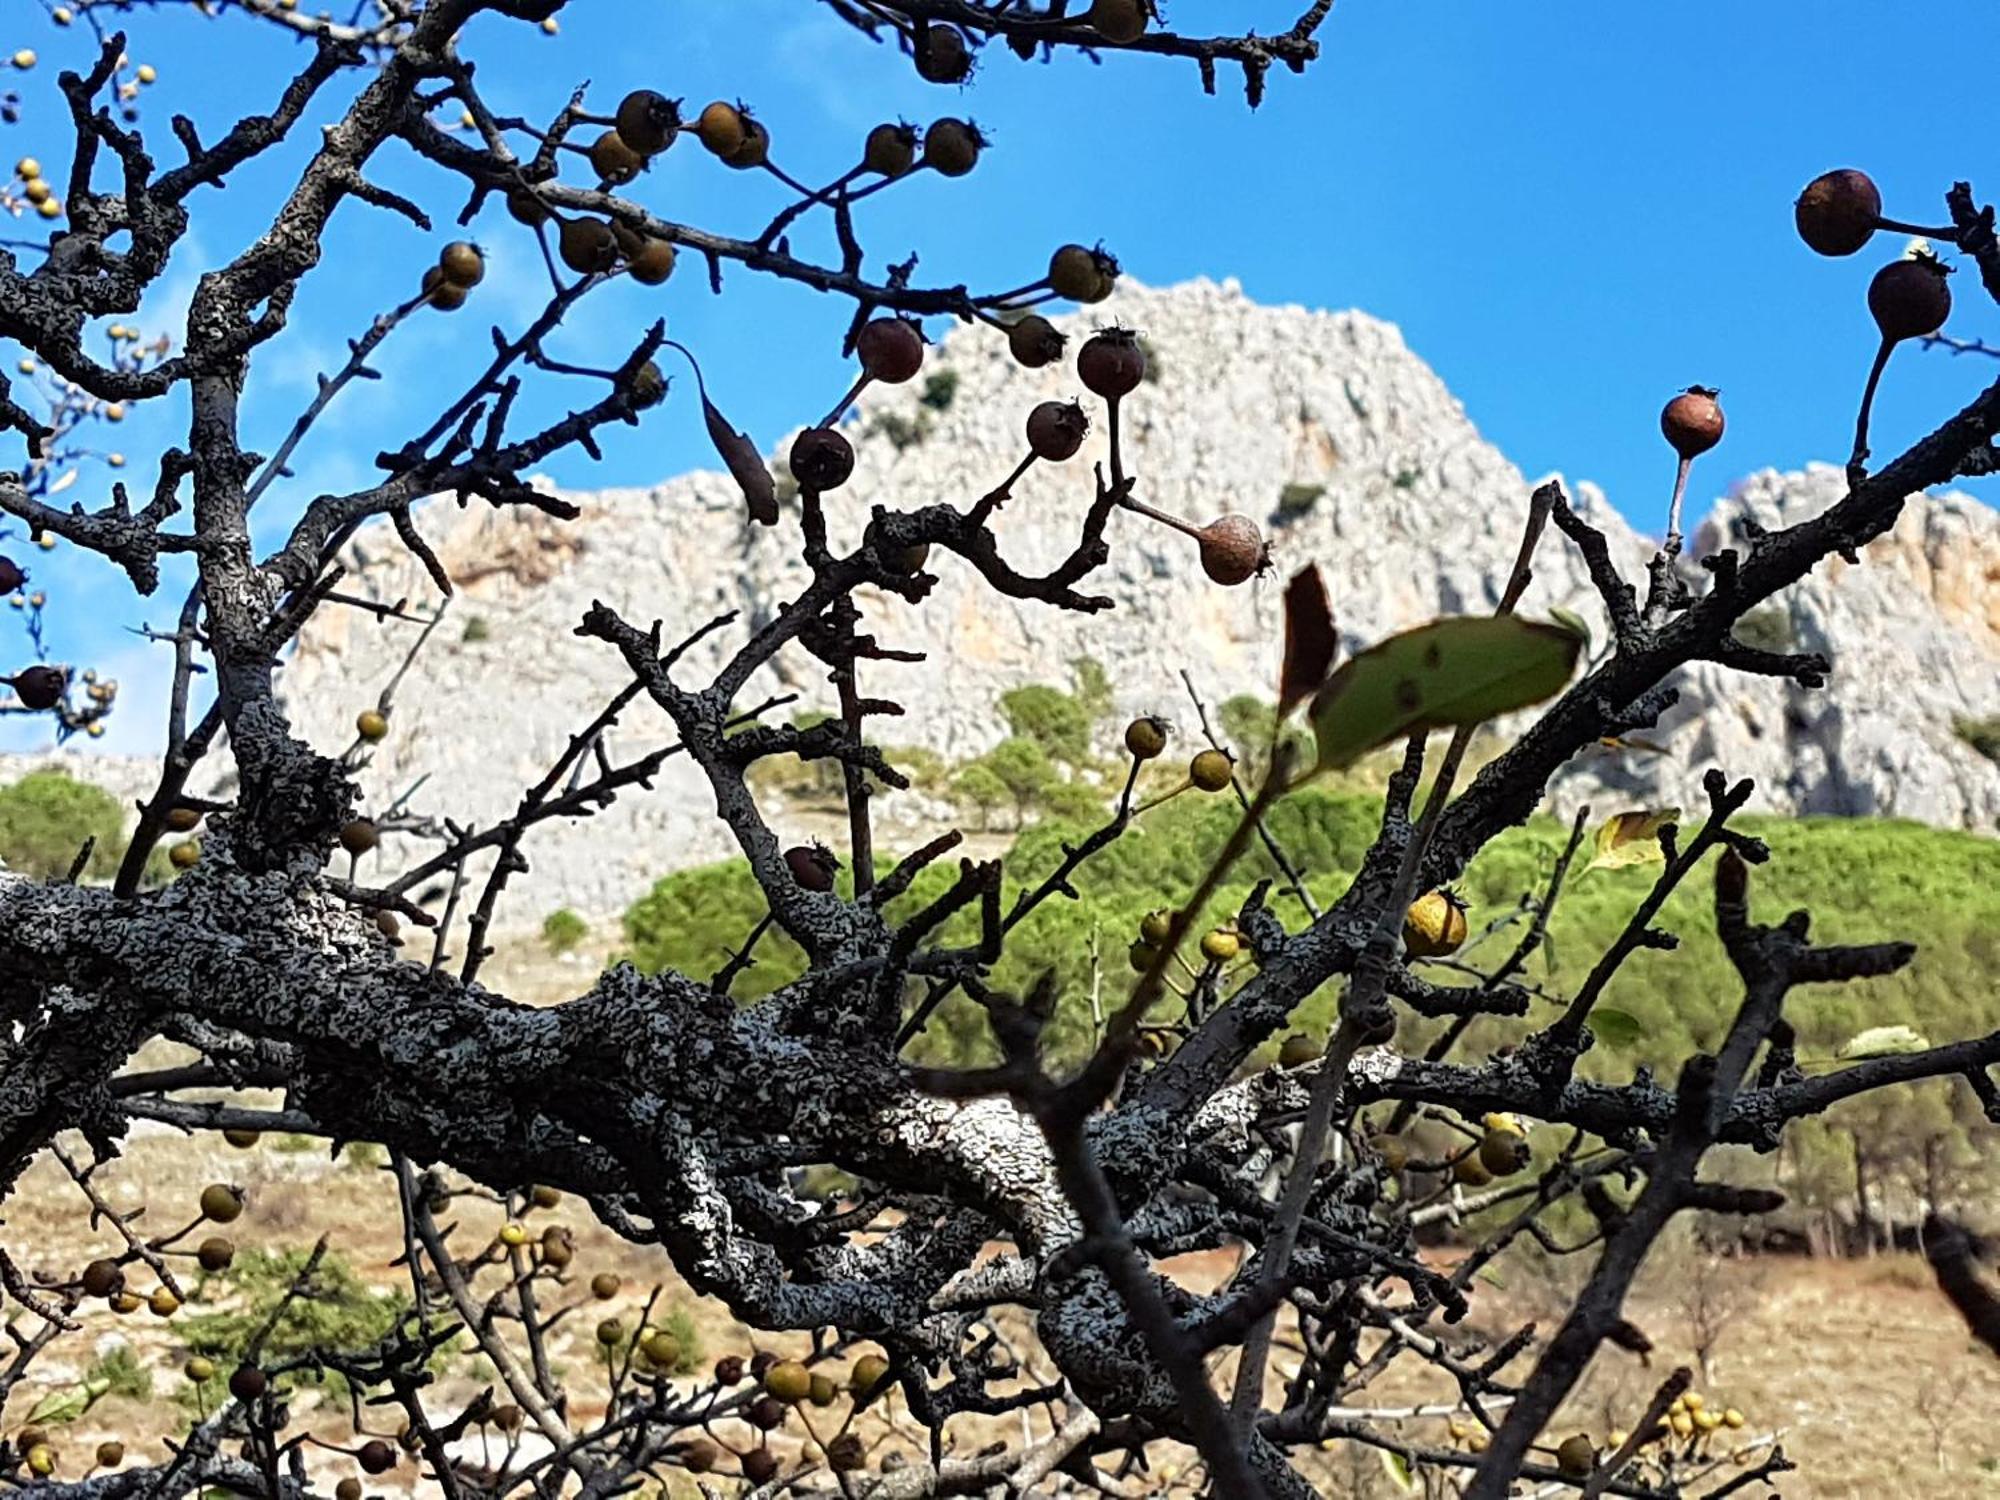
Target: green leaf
[
  {"x": 1457, "y": 671},
  {"x": 70, "y": 1403},
  {"x": 1397, "y": 1468},
  {"x": 1615, "y": 1028},
  {"x": 1883, "y": 1041},
  {"x": 1632, "y": 838},
  {"x": 1573, "y": 622}
]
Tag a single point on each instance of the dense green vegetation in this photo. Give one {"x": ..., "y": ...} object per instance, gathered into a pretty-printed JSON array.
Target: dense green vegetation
[
  {"x": 1863, "y": 880},
  {"x": 46, "y": 816}
]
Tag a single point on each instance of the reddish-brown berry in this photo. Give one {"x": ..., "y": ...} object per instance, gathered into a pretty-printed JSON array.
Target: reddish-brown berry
[
  {"x": 587, "y": 246},
  {"x": 1232, "y": 550},
  {"x": 101, "y": 1278},
  {"x": 755, "y": 149},
  {"x": 1081, "y": 274},
  {"x": 1838, "y": 211},
  {"x": 767, "y": 1413},
  {"x": 38, "y": 687},
  {"x": 721, "y": 128},
  {"x": 11, "y": 576},
  {"x": 952, "y": 147},
  {"x": 942, "y": 55},
  {"x": 1910, "y": 298},
  {"x": 247, "y": 1383},
  {"x": 1056, "y": 430},
  {"x": 651, "y": 261},
  {"x": 1692, "y": 421},
  {"x": 376, "y": 1456},
  {"x": 813, "y": 867},
  {"x": 891, "y": 150},
  {"x": 1034, "y": 342},
  {"x": 1111, "y": 363},
  {"x": 891, "y": 350},
  {"x": 821, "y": 459},
  {"x": 648, "y": 121},
  {"x": 613, "y": 159}
]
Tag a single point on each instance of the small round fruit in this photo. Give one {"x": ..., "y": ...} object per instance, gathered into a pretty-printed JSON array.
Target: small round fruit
[
  {"x": 653, "y": 262},
  {"x": 663, "y": 1349},
  {"x": 110, "y": 1454},
  {"x": 1692, "y": 421},
  {"x": 184, "y": 854},
  {"x": 942, "y": 55},
  {"x": 789, "y": 1381},
  {"x": 42, "y": 1460},
  {"x": 604, "y": 1285},
  {"x": 527, "y": 208},
  {"x": 1146, "y": 737},
  {"x": 891, "y": 150},
  {"x": 1232, "y": 550},
  {"x": 359, "y": 835},
  {"x": 388, "y": 924},
  {"x": 587, "y": 246},
  {"x": 163, "y": 1303},
  {"x": 1694, "y": 1400},
  {"x": 541, "y": 1195},
  {"x": 1142, "y": 956},
  {"x": 869, "y": 1371},
  {"x": 1211, "y": 771},
  {"x": 1838, "y": 211},
  {"x": 1471, "y": 1171},
  {"x": 613, "y": 159},
  {"x": 1111, "y": 363},
  {"x": 1682, "y": 1424},
  {"x": 720, "y": 127},
  {"x": 247, "y": 1383},
  {"x": 729, "y": 1370},
  {"x": 952, "y": 147},
  {"x": 442, "y": 293},
  {"x": 1910, "y": 299},
  {"x": 610, "y": 1331},
  {"x": 1576, "y": 1456},
  {"x": 1156, "y": 926},
  {"x": 647, "y": 387},
  {"x": 183, "y": 819},
  {"x": 215, "y": 1253},
  {"x": 755, "y": 150},
  {"x": 38, "y": 192},
  {"x": 699, "y": 1456},
  {"x": 1219, "y": 945},
  {"x": 222, "y": 1203},
  {"x": 891, "y": 350},
  {"x": 558, "y": 1249},
  {"x": 1076, "y": 272},
  {"x": 199, "y": 1368},
  {"x": 847, "y": 1453},
  {"x": 1056, "y": 430},
  {"x": 124, "y": 1302},
  {"x": 462, "y": 264},
  {"x": 101, "y": 1278},
  {"x": 760, "y": 1465},
  {"x": 509, "y": 1417},
  {"x": 647, "y": 121},
  {"x": 823, "y": 1390},
  {"x": 27, "y": 169},
  {"x": 348, "y": 1489},
  {"x": 1503, "y": 1152},
  {"x": 376, "y": 1456},
  {"x": 1034, "y": 342},
  {"x": 767, "y": 1413},
  {"x": 1435, "y": 925},
  {"x": 1707, "y": 1421},
  {"x": 1733, "y": 1419},
  {"x": 513, "y": 1235},
  {"x": 1297, "y": 1050},
  {"x": 1121, "y": 21},
  {"x": 821, "y": 459},
  {"x": 372, "y": 725}
]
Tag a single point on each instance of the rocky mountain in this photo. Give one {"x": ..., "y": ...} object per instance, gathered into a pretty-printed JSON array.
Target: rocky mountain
[{"x": 1322, "y": 425}]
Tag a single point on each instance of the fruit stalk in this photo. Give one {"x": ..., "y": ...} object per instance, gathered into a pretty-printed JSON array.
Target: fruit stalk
[
  {"x": 1672, "y": 546},
  {"x": 1856, "y": 465}
]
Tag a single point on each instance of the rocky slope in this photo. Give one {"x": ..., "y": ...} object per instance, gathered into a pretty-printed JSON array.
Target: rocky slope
[{"x": 1323, "y": 422}]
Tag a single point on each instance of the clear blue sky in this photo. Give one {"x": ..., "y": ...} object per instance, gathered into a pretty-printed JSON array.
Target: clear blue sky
[{"x": 1572, "y": 208}]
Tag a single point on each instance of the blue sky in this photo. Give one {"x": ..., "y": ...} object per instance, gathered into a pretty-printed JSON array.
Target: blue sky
[{"x": 1573, "y": 208}]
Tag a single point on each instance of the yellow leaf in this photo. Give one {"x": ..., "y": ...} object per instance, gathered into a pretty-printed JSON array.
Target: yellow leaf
[{"x": 1632, "y": 838}]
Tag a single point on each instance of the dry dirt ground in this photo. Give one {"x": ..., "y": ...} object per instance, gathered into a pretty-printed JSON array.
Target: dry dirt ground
[{"x": 1859, "y": 1367}]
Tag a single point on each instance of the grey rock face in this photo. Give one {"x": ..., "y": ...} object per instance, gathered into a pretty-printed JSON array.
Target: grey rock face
[{"x": 1322, "y": 426}]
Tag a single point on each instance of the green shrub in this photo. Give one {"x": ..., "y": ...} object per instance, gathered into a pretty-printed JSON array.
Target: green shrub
[
  {"x": 1766, "y": 629},
  {"x": 563, "y": 929},
  {"x": 1864, "y": 880},
  {"x": 940, "y": 390},
  {"x": 1051, "y": 718},
  {"x": 335, "y": 1311},
  {"x": 1296, "y": 500},
  {"x": 1982, "y": 735},
  {"x": 45, "y": 818},
  {"x": 476, "y": 630},
  {"x": 126, "y": 1374}
]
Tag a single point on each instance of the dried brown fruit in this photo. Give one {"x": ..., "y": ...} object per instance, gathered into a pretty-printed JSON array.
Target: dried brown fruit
[
  {"x": 587, "y": 246},
  {"x": 376, "y": 1456},
  {"x": 359, "y": 835},
  {"x": 1838, "y": 211},
  {"x": 813, "y": 867},
  {"x": 1232, "y": 550},
  {"x": 1111, "y": 363},
  {"x": 1034, "y": 342},
  {"x": 1692, "y": 421},
  {"x": 721, "y": 128},
  {"x": 215, "y": 1253},
  {"x": 1121, "y": 21},
  {"x": 821, "y": 459},
  {"x": 462, "y": 264},
  {"x": 1056, "y": 430},
  {"x": 613, "y": 159},
  {"x": 648, "y": 121},
  {"x": 755, "y": 149},
  {"x": 652, "y": 262},
  {"x": 891, "y": 350},
  {"x": 38, "y": 687},
  {"x": 247, "y": 1383},
  {"x": 891, "y": 150},
  {"x": 952, "y": 147},
  {"x": 942, "y": 55},
  {"x": 1910, "y": 298},
  {"x": 1146, "y": 737}
]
